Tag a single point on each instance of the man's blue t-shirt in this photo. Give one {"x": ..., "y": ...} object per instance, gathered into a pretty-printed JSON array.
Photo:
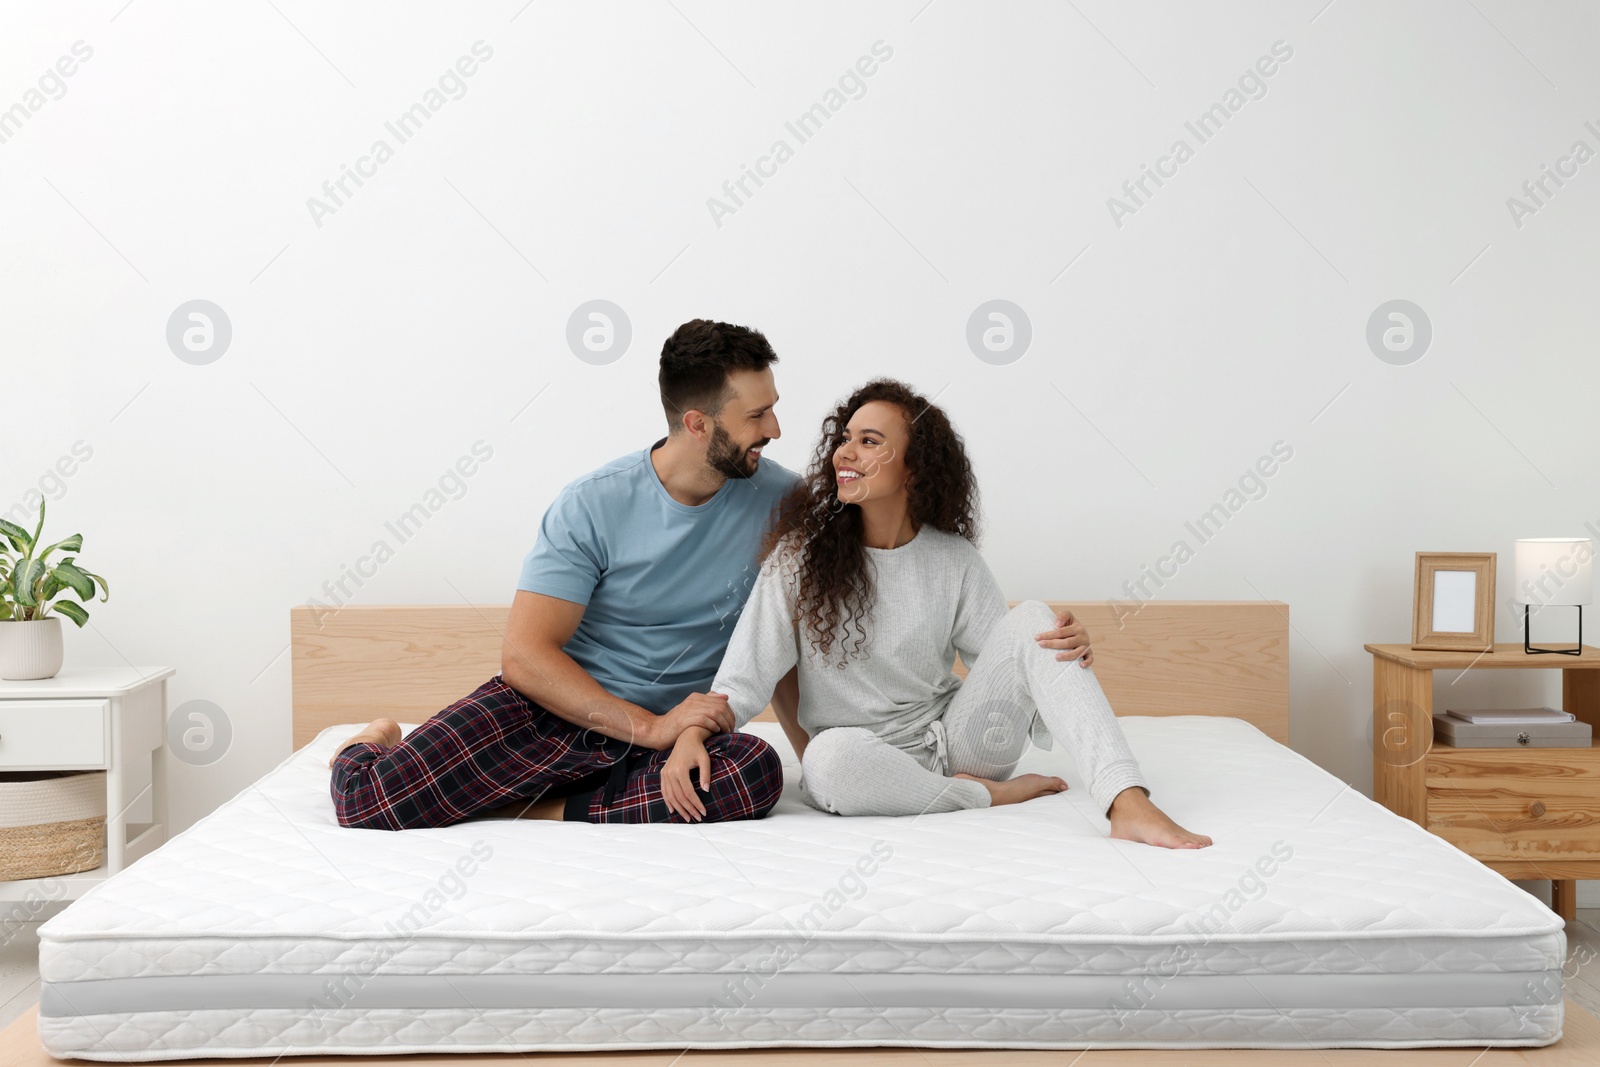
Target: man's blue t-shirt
[{"x": 663, "y": 582}]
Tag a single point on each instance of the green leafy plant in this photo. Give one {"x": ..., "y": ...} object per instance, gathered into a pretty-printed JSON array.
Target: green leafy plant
[{"x": 30, "y": 583}]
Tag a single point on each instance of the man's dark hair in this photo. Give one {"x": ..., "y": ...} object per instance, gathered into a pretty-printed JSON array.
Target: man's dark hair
[{"x": 696, "y": 361}]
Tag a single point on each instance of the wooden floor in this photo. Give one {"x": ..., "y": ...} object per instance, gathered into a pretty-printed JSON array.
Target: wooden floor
[{"x": 1580, "y": 1043}]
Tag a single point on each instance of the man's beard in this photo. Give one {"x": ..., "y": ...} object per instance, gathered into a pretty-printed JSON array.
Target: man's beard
[{"x": 728, "y": 459}]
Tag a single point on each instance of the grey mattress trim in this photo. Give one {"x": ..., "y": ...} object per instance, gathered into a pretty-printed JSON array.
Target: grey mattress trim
[{"x": 756, "y": 990}]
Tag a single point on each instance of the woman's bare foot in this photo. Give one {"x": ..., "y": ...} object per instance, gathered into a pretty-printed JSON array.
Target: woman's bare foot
[
  {"x": 385, "y": 732},
  {"x": 1135, "y": 818},
  {"x": 1016, "y": 790}
]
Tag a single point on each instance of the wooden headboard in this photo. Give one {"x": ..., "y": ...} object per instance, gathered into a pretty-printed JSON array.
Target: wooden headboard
[{"x": 407, "y": 662}]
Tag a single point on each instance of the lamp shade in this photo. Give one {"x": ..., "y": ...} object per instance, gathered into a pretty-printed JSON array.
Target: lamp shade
[{"x": 1554, "y": 570}]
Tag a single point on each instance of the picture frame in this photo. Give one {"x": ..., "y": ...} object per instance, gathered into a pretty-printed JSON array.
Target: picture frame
[{"x": 1452, "y": 608}]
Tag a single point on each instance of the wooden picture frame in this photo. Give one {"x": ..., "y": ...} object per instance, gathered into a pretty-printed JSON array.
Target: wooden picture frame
[{"x": 1452, "y": 606}]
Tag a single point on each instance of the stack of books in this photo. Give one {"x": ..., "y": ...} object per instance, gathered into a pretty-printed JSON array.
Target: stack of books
[
  {"x": 1512, "y": 728},
  {"x": 1512, "y": 716}
]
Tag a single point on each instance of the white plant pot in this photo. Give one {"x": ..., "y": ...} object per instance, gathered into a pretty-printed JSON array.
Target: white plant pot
[{"x": 30, "y": 649}]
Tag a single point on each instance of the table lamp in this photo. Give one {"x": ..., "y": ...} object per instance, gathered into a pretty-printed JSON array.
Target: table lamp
[{"x": 1554, "y": 570}]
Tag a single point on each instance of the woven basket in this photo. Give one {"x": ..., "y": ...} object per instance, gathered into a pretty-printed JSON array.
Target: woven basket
[{"x": 51, "y": 822}]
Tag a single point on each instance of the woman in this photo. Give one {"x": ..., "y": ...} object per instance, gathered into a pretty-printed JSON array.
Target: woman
[{"x": 871, "y": 582}]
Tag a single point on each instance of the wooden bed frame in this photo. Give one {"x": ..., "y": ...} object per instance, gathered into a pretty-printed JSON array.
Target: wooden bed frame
[
  {"x": 1177, "y": 658},
  {"x": 1202, "y": 657}
]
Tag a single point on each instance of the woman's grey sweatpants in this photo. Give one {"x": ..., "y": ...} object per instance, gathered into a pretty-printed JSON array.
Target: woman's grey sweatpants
[{"x": 984, "y": 731}]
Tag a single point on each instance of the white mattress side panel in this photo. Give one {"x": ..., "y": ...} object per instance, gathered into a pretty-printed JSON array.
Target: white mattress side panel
[
  {"x": 178, "y": 956},
  {"x": 223, "y": 1033}
]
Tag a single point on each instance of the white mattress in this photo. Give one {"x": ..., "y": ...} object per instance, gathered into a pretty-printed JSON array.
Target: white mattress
[{"x": 1318, "y": 919}]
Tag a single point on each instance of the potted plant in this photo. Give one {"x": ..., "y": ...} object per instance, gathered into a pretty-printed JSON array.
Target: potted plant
[{"x": 30, "y": 636}]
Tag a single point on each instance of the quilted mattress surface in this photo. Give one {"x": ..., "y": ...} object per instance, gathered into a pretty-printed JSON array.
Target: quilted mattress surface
[{"x": 1317, "y": 919}]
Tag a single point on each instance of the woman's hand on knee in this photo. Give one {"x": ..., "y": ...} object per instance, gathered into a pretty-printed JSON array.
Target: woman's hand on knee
[{"x": 688, "y": 754}]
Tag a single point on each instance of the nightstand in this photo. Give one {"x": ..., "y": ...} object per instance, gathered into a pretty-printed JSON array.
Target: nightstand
[
  {"x": 112, "y": 719},
  {"x": 1528, "y": 813}
]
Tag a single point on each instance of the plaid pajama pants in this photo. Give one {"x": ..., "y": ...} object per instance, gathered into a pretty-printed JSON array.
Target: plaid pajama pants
[{"x": 494, "y": 747}]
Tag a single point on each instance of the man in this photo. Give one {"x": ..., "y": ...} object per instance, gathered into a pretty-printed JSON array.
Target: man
[
  {"x": 624, "y": 608},
  {"x": 622, "y": 614}
]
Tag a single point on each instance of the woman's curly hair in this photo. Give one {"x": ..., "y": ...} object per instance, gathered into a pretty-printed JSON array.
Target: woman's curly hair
[{"x": 825, "y": 535}]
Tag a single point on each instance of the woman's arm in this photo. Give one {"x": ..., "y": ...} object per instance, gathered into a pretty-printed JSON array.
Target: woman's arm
[
  {"x": 757, "y": 667},
  {"x": 982, "y": 605},
  {"x": 786, "y": 705},
  {"x": 762, "y": 650},
  {"x": 980, "y": 608}
]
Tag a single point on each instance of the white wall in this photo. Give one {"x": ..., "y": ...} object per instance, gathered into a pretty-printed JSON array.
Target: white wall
[{"x": 373, "y": 345}]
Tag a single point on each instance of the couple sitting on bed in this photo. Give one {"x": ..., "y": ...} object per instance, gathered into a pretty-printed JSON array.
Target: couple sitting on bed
[{"x": 676, "y": 591}]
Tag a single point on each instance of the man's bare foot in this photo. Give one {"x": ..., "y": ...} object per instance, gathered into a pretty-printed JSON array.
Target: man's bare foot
[
  {"x": 1135, "y": 818},
  {"x": 385, "y": 732},
  {"x": 1016, "y": 790}
]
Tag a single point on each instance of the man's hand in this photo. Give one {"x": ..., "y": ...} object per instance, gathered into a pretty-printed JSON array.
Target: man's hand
[
  {"x": 708, "y": 711},
  {"x": 687, "y": 754},
  {"x": 1070, "y": 636}
]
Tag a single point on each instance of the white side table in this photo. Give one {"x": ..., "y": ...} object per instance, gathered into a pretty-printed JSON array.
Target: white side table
[{"x": 112, "y": 719}]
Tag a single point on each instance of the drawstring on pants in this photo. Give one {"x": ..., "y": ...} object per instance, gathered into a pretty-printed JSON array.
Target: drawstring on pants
[{"x": 933, "y": 737}]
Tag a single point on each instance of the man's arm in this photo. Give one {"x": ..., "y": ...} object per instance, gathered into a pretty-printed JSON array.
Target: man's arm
[{"x": 534, "y": 663}]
